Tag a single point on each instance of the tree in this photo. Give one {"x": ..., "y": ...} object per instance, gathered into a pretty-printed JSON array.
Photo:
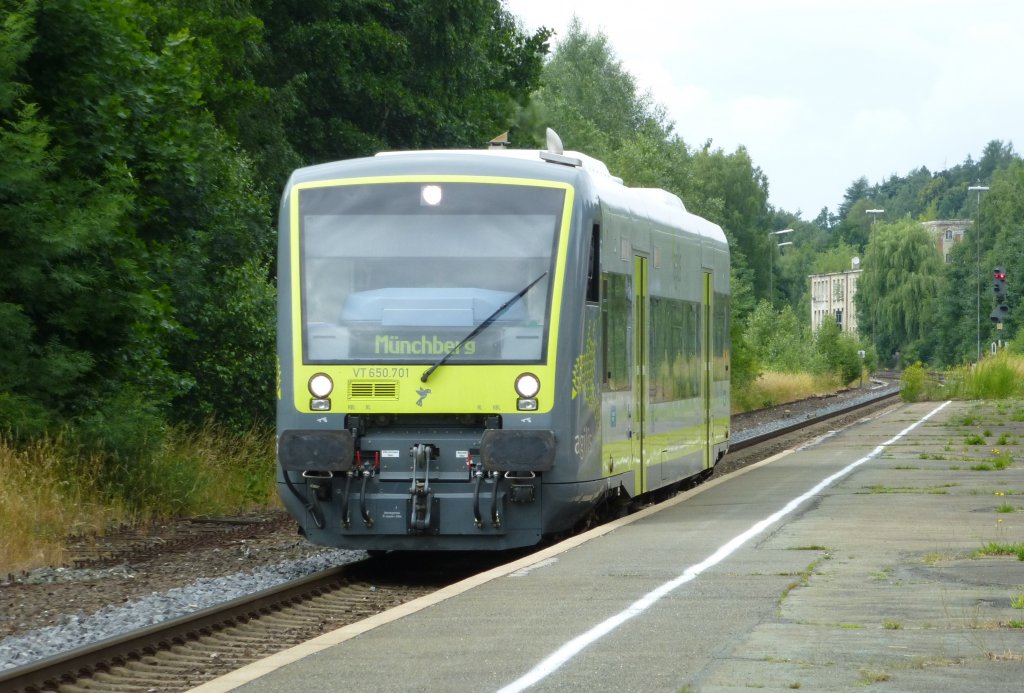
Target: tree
[
  {"x": 731, "y": 191},
  {"x": 857, "y": 225},
  {"x": 898, "y": 286},
  {"x": 781, "y": 342},
  {"x": 69, "y": 291},
  {"x": 369, "y": 75},
  {"x": 592, "y": 102},
  {"x": 837, "y": 351},
  {"x": 857, "y": 191},
  {"x": 231, "y": 60},
  {"x": 955, "y": 331},
  {"x": 837, "y": 258}
]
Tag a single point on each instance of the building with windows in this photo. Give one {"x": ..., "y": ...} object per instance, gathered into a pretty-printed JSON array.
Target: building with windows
[
  {"x": 946, "y": 233},
  {"x": 832, "y": 294}
]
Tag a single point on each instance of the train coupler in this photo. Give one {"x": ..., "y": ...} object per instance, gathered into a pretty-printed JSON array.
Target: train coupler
[
  {"x": 422, "y": 508},
  {"x": 319, "y": 483},
  {"x": 520, "y": 492},
  {"x": 424, "y": 513}
]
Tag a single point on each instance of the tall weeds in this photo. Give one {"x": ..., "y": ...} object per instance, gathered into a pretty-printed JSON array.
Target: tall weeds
[
  {"x": 997, "y": 377},
  {"x": 56, "y": 488},
  {"x": 771, "y": 388},
  {"x": 49, "y": 492}
]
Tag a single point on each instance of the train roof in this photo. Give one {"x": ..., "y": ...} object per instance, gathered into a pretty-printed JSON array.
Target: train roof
[{"x": 659, "y": 206}]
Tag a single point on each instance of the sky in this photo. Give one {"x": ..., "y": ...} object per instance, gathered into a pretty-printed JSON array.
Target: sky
[{"x": 820, "y": 92}]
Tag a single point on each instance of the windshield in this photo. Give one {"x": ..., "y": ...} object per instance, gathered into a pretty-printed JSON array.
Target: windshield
[{"x": 402, "y": 272}]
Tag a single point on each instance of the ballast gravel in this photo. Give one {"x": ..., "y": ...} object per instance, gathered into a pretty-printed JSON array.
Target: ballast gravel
[
  {"x": 76, "y": 630},
  {"x": 764, "y": 421}
]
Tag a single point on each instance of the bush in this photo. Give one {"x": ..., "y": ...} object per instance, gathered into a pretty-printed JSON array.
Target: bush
[
  {"x": 779, "y": 342},
  {"x": 912, "y": 383}
]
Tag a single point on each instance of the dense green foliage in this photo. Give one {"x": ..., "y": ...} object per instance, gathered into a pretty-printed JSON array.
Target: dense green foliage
[
  {"x": 901, "y": 277},
  {"x": 912, "y": 305},
  {"x": 944, "y": 309},
  {"x": 143, "y": 147}
]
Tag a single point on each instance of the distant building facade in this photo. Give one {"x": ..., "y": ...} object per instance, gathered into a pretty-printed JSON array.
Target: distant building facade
[
  {"x": 832, "y": 294},
  {"x": 946, "y": 233}
]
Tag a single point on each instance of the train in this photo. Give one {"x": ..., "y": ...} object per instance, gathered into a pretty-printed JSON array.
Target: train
[{"x": 484, "y": 349}]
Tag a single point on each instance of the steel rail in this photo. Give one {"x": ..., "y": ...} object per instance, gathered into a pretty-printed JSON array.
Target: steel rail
[
  {"x": 51, "y": 672},
  {"x": 797, "y": 424}
]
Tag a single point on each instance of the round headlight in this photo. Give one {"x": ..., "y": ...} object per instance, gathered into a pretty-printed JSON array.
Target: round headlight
[
  {"x": 431, "y": 195},
  {"x": 321, "y": 385},
  {"x": 527, "y": 385}
]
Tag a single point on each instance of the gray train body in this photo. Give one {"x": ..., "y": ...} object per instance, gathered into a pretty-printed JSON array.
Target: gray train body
[{"x": 480, "y": 349}]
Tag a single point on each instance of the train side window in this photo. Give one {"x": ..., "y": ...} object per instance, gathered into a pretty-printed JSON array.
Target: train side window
[
  {"x": 616, "y": 317},
  {"x": 594, "y": 266}
]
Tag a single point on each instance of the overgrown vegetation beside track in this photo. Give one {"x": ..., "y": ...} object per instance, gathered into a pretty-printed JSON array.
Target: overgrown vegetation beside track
[
  {"x": 55, "y": 488},
  {"x": 996, "y": 377},
  {"x": 787, "y": 362},
  {"x": 772, "y": 388}
]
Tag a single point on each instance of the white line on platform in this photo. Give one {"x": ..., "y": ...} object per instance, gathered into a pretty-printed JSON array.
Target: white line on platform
[{"x": 570, "y": 649}]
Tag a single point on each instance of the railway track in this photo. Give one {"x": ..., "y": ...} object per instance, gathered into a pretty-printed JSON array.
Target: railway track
[{"x": 182, "y": 653}]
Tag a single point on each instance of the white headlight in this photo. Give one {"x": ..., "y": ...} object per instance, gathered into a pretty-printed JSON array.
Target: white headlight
[
  {"x": 527, "y": 385},
  {"x": 321, "y": 385},
  {"x": 431, "y": 195}
]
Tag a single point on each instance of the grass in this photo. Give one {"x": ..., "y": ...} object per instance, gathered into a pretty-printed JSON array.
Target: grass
[
  {"x": 773, "y": 388},
  {"x": 42, "y": 502},
  {"x": 935, "y": 490},
  {"x": 1001, "y": 460},
  {"x": 54, "y": 490},
  {"x": 870, "y": 676},
  {"x": 935, "y": 557},
  {"x": 995, "y": 377},
  {"x": 804, "y": 578},
  {"x": 1000, "y": 549}
]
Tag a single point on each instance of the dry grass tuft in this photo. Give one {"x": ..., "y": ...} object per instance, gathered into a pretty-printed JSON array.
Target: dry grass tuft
[
  {"x": 54, "y": 491},
  {"x": 773, "y": 388},
  {"x": 42, "y": 503}
]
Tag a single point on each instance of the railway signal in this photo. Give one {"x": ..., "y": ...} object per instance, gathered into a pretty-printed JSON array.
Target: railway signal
[
  {"x": 999, "y": 284},
  {"x": 1002, "y": 310}
]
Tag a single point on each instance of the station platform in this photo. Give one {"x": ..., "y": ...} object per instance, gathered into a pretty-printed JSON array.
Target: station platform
[{"x": 848, "y": 562}]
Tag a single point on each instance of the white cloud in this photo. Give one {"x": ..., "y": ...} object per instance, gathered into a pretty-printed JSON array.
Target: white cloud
[{"x": 820, "y": 92}]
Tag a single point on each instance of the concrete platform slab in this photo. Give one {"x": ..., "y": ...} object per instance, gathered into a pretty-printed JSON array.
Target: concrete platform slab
[{"x": 871, "y": 579}]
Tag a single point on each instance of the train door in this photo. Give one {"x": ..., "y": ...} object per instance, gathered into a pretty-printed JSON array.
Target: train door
[
  {"x": 640, "y": 374},
  {"x": 707, "y": 350}
]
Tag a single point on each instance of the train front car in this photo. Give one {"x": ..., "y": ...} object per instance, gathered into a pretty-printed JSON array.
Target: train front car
[
  {"x": 420, "y": 303},
  {"x": 478, "y": 349}
]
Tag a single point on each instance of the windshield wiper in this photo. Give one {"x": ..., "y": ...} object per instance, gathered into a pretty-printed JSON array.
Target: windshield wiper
[{"x": 481, "y": 327}]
